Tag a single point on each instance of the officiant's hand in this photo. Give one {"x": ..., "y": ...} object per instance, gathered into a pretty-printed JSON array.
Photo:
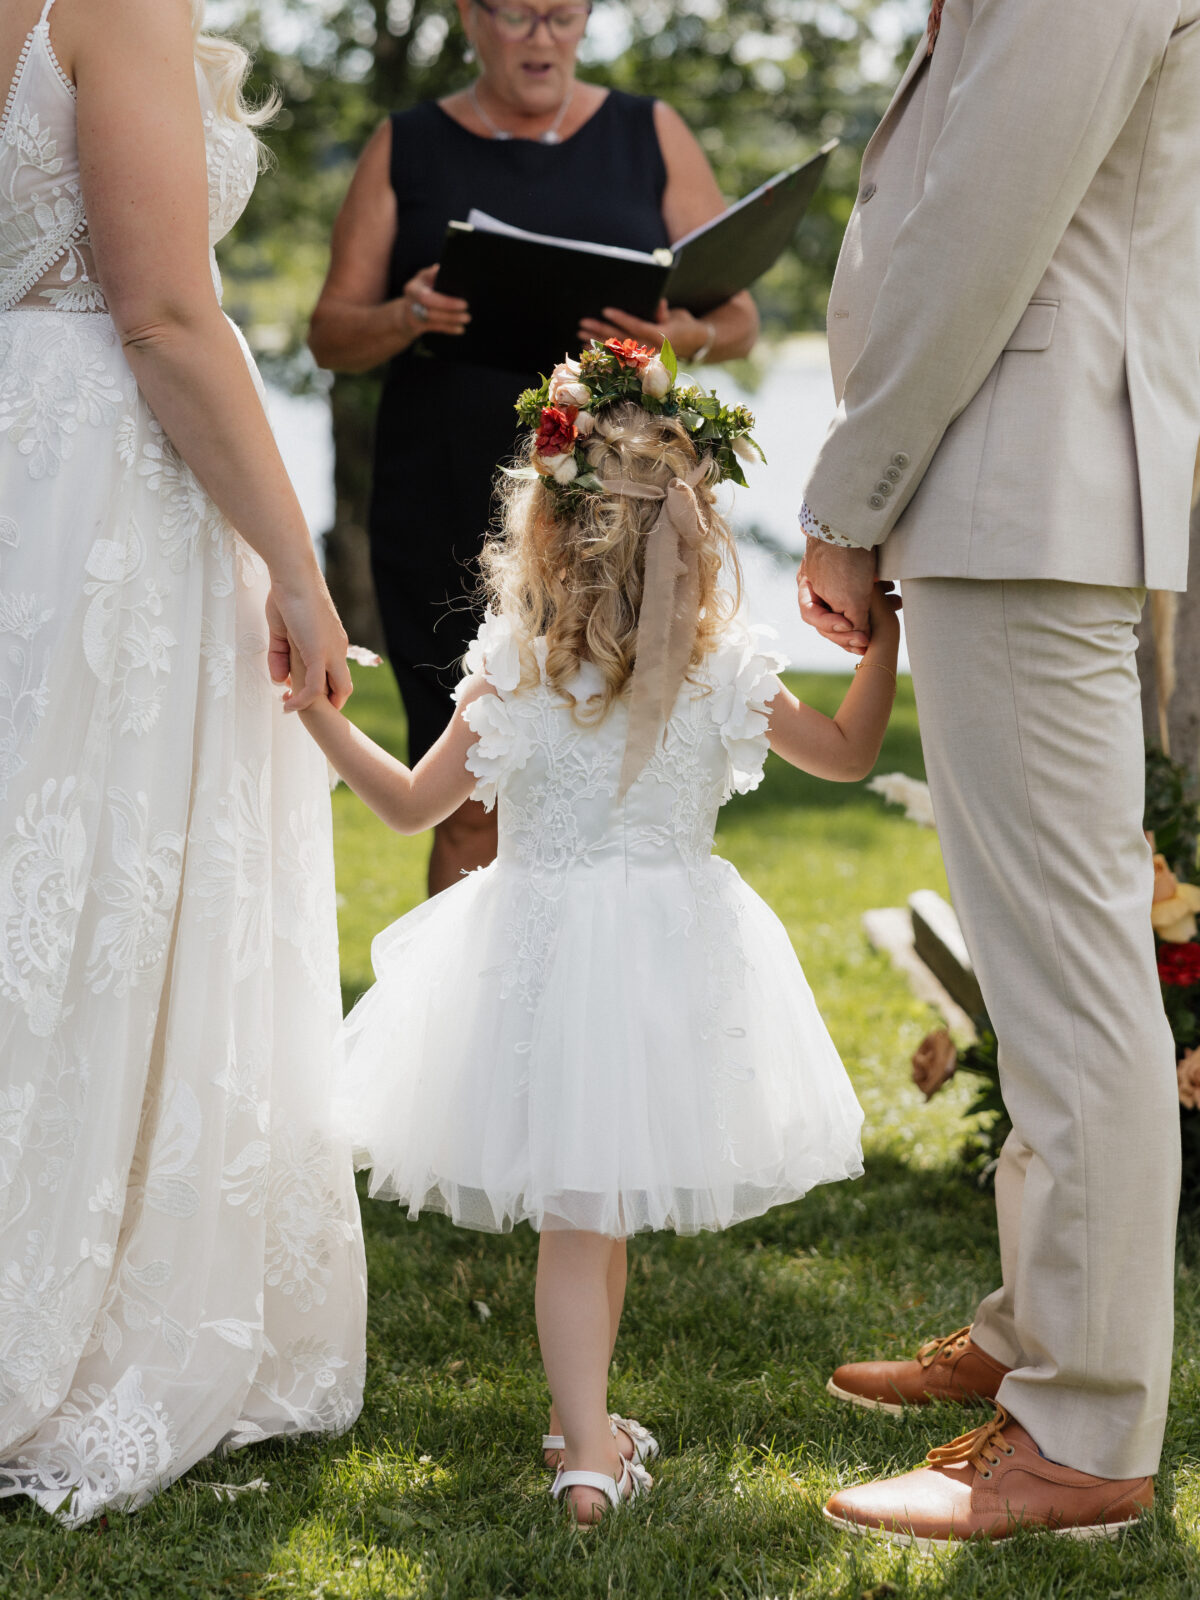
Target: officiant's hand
[
  {"x": 834, "y": 585},
  {"x": 427, "y": 311},
  {"x": 687, "y": 333}
]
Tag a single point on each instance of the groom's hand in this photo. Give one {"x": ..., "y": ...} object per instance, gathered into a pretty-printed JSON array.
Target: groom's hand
[{"x": 834, "y": 586}]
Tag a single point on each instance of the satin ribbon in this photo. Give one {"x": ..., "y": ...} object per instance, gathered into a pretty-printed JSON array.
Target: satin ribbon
[{"x": 670, "y": 613}]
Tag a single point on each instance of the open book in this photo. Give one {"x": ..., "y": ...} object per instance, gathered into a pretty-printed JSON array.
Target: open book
[{"x": 528, "y": 292}]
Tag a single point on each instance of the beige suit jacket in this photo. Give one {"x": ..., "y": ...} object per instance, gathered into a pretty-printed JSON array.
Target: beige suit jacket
[{"x": 1014, "y": 325}]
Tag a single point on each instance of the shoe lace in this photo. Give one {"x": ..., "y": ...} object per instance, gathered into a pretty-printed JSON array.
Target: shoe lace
[
  {"x": 948, "y": 1346},
  {"x": 981, "y": 1448}
]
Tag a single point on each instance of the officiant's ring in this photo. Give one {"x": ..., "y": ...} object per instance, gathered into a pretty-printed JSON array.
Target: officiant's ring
[{"x": 418, "y": 312}]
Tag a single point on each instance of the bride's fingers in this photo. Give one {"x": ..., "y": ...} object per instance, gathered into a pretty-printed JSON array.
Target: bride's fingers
[
  {"x": 340, "y": 684},
  {"x": 306, "y": 694},
  {"x": 278, "y": 644}
]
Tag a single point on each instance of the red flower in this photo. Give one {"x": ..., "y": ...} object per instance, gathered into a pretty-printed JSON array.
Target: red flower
[
  {"x": 629, "y": 352},
  {"x": 1179, "y": 964},
  {"x": 556, "y": 434}
]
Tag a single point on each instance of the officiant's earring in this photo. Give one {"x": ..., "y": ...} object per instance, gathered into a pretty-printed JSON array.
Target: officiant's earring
[{"x": 469, "y": 54}]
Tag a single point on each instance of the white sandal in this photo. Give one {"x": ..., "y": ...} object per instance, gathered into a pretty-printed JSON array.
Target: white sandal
[
  {"x": 613, "y": 1489},
  {"x": 645, "y": 1445}
]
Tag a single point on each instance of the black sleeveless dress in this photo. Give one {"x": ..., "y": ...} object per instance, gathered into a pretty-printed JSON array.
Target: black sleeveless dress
[{"x": 443, "y": 426}]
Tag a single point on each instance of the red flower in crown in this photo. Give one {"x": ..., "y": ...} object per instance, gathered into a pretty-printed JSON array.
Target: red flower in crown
[
  {"x": 629, "y": 352},
  {"x": 1179, "y": 964},
  {"x": 556, "y": 432}
]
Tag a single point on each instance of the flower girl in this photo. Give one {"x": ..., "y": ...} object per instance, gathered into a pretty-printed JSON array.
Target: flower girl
[{"x": 605, "y": 1030}]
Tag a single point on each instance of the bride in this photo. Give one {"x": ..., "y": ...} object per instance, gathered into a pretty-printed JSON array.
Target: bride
[{"x": 180, "y": 1256}]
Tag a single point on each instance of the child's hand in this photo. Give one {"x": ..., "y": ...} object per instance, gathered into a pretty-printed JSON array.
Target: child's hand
[
  {"x": 316, "y": 713},
  {"x": 884, "y": 605}
]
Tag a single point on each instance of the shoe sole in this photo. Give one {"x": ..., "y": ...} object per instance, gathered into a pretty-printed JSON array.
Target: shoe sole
[
  {"x": 926, "y": 1546},
  {"x": 863, "y": 1400},
  {"x": 894, "y": 1410}
]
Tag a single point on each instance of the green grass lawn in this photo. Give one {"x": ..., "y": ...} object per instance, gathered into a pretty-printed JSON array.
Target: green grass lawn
[{"x": 439, "y": 1492}]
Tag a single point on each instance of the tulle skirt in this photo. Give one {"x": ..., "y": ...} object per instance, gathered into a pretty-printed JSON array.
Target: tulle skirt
[{"x": 611, "y": 1050}]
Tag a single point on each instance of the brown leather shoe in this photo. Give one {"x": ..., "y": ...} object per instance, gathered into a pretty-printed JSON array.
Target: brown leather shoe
[
  {"x": 988, "y": 1484},
  {"x": 950, "y": 1368}
]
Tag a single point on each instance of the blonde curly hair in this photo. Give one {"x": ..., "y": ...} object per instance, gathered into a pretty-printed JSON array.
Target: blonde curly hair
[{"x": 575, "y": 577}]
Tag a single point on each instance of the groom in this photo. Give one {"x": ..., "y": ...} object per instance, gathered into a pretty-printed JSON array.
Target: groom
[{"x": 1014, "y": 330}]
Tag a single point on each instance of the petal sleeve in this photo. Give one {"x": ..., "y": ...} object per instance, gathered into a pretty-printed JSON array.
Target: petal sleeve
[
  {"x": 494, "y": 654},
  {"x": 745, "y": 676},
  {"x": 501, "y": 745}
]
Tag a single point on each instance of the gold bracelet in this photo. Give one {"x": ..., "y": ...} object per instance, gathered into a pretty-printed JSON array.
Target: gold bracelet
[{"x": 879, "y": 665}]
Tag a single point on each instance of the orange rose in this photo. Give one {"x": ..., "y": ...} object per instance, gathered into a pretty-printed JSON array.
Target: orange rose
[
  {"x": 933, "y": 1062},
  {"x": 556, "y": 433},
  {"x": 629, "y": 352}
]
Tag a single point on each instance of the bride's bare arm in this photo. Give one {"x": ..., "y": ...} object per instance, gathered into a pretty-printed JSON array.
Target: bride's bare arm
[{"x": 142, "y": 160}]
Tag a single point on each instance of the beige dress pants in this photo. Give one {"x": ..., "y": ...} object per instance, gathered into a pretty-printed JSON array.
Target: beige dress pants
[{"x": 1031, "y": 723}]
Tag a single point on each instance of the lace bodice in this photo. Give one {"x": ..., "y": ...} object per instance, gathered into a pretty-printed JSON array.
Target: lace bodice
[
  {"x": 45, "y": 252},
  {"x": 557, "y": 783},
  {"x": 558, "y": 779}
]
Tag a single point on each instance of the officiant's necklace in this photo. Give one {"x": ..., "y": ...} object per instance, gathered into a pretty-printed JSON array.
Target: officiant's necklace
[{"x": 551, "y": 135}]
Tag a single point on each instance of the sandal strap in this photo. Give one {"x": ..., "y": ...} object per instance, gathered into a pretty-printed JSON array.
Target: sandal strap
[
  {"x": 553, "y": 1441},
  {"x": 645, "y": 1445},
  {"x": 587, "y": 1480}
]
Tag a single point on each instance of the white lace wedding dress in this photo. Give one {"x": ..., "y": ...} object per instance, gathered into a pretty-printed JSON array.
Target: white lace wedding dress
[{"x": 180, "y": 1256}]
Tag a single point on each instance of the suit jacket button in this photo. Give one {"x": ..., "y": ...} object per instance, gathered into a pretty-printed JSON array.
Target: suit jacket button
[
  {"x": 876, "y": 501},
  {"x": 893, "y": 474},
  {"x": 868, "y": 190},
  {"x": 900, "y": 459},
  {"x": 883, "y": 487}
]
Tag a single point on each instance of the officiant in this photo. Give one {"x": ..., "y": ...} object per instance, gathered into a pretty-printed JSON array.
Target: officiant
[{"x": 538, "y": 148}]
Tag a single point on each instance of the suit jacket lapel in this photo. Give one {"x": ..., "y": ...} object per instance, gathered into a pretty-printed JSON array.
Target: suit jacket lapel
[{"x": 919, "y": 57}]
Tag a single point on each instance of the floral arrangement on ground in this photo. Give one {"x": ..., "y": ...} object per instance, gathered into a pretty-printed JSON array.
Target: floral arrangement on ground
[{"x": 1172, "y": 821}]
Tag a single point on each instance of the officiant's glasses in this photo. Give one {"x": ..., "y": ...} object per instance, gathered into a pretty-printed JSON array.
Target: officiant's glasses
[{"x": 516, "y": 24}]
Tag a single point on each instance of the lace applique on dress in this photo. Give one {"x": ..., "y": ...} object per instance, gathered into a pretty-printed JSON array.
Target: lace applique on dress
[
  {"x": 558, "y": 777},
  {"x": 45, "y": 252},
  {"x": 45, "y": 255}
]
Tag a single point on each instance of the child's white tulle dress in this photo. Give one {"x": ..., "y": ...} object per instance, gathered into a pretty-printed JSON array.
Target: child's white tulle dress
[{"x": 606, "y": 1029}]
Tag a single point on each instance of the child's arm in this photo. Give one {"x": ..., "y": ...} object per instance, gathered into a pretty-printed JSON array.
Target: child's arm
[
  {"x": 408, "y": 801},
  {"x": 846, "y": 746}
]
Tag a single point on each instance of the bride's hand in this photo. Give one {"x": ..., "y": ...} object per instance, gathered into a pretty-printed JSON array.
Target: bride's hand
[{"x": 308, "y": 644}]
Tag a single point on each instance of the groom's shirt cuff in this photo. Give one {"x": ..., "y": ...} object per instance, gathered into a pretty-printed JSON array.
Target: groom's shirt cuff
[{"x": 813, "y": 529}]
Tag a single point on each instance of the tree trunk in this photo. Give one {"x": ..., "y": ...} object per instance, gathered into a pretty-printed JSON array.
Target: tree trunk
[
  {"x": 1183, "y": 715},
  {"x": 345, "y": 547}
]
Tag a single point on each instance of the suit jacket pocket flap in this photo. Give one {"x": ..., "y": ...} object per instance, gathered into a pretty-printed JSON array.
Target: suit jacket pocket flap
[{"x": 1036, "y": 326}]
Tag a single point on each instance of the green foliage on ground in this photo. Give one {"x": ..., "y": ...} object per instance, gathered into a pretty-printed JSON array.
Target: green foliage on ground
[{"x": 438, "y": 1492}]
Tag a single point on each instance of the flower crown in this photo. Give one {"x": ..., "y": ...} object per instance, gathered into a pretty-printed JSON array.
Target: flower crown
[{"x": 563, "y": 410}]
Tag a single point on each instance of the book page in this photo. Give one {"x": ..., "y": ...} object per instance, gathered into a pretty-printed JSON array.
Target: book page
[{"x": 480, "y": 219}]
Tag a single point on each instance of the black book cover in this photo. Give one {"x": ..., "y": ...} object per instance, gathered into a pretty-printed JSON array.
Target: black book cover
[
  {"x": 527, "y": 298},
  {"x": 732, "y": 252}
]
